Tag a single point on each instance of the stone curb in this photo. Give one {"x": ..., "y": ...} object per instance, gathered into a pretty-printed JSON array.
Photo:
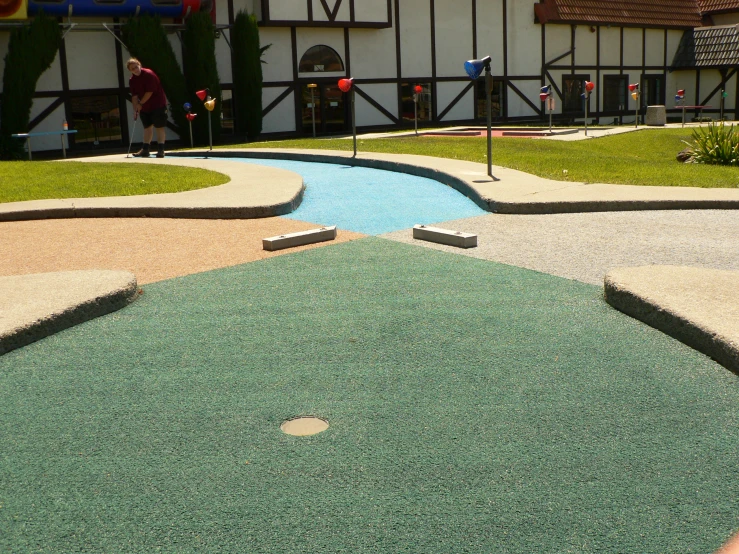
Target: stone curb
[
  {"x": 448, "y": 179},
  {"x": 194, "y": 212},
  {"x": 685, "y": 310},
  {"x": 252, "y": 192},
  {"x": 70, "y": 298},
  {"x": 571, "y": 197}
]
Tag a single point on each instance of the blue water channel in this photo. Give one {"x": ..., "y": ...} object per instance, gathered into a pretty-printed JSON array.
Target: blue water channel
[{"x": 371, "y": 201}]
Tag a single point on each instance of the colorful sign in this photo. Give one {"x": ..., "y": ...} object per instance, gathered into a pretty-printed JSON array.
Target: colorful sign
[
  {"x": 69, "y": 8},
  {"x": 13, "y": 9}
]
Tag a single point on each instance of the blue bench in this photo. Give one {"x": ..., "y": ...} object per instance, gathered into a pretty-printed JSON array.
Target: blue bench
[{"x": 28, "y": 136}]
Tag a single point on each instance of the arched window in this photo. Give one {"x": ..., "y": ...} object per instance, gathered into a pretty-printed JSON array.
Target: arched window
[{"x": 320, "y": 58}]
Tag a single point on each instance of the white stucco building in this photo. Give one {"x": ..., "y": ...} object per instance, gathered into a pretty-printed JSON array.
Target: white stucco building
[{"x": 390, "y": 46}]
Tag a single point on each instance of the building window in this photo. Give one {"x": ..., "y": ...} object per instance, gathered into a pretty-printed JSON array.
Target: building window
[
  {"x": 97, "y": 119},
  {"x": 572, "y": 87},
  {"x": 653, "y": 90},
  {"x": 496, "y": 99},
  {"x": 320, "y": 58},
  {"x": 615, "y": 89},
  {"x": 407, "y": 90}
]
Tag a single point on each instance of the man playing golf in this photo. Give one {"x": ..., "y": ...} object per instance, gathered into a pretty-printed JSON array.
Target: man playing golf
[{"x": 150, "y": 102}]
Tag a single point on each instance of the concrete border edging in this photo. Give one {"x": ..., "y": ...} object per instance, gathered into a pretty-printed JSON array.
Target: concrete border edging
[
  {"x": 193, "y": 212},
  {"x": 68, "y": 299},
  {"x": 251, "y": 193},
  {"x": 515, "y": 192},
  {"x": 697, "y": 306},
  {"x": 399, "y": 167}
]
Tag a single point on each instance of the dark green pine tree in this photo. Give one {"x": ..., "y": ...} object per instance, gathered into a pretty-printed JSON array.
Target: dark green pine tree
[
  {"x": 201, "y": 72},
  {"x": 247, "y": 78},
  {"x": 31, "y": 51}
]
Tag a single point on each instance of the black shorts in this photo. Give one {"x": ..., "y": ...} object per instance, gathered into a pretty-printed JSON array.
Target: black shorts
[{"x": 158, "y": 118}]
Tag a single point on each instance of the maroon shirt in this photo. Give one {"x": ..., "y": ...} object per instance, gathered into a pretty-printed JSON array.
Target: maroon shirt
[{"x": 148, "y": 81}]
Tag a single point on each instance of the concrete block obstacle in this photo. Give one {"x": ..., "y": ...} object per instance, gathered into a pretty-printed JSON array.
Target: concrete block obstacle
[
  {"x": 697, "y": 306},
  {"x": 300, "y": 238},
  {"x": 444, "y": 236},
  {"x": 656, "y": 116}
]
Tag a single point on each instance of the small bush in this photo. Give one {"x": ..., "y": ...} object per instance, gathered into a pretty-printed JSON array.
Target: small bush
[{"x": 715, "y": 144}]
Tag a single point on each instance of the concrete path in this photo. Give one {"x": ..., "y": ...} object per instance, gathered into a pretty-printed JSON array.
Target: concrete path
[
  {"x": 558, "y": 133},
  {"x": 697, "y": 306},
  {"x": 513, "y": 192},
  {"x": 35, "y": 306}
]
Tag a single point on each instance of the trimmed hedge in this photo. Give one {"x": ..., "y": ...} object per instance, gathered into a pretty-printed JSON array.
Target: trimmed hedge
[
  {"x": 31, "y": 51},
  {"x": 146, "y": 40},
  {"x": 247, "y": 78},
  {"x": 201, "y": 71}
]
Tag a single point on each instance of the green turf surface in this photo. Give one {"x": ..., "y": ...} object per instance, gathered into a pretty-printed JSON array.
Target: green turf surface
[{"x": 474, "y": 407}]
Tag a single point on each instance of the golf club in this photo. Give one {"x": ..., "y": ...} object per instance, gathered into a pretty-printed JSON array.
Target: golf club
[{"x": 133, "y": 130}]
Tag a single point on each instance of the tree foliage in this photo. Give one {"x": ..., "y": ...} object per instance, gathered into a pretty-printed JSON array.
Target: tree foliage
[
  {"x": 31, "y": 51},
  {"x": 201, "y": 72},
  {"x": 146, "y": 40},
  {"x": 247, "y": 78}
]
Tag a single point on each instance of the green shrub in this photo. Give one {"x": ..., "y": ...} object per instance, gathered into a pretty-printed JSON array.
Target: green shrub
[
  {"x": 715, "y": 144},
  {"x": 146, "y": 40},
  {"x": 201, "y": 71},
  {"x": 31, "y": 51},
  {"x": 247, "y": 78}
]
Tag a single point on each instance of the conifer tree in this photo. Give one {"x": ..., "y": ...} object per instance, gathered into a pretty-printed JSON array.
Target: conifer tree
[
  {"x": 31, "y": 51},
  {"x": 247, "y": 79}
]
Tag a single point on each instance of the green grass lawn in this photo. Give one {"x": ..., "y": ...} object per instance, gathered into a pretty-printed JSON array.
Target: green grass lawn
[
  {"x": 644, "y": 157},
  {"x": 40, "y": 180}
]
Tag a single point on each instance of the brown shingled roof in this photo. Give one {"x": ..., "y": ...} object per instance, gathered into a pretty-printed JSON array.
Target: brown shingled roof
[
  {"x": 708, "y": 47},
  {"x": 680, "y": 14},
  {"x": 718, "y": 6}
]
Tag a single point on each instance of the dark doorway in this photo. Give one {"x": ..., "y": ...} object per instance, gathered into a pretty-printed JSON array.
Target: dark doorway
[
  {"x": 328, "y": 105},
  {"x": 653, "y": 90}
]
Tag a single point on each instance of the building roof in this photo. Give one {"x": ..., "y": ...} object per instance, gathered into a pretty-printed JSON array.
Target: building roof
[
  {"x": 676, "y": 14},
  {"x": 718, "y": 6},
  {"x": 708, "y": 47}
]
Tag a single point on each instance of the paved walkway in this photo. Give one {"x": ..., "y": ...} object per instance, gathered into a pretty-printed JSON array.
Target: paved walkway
[
  {"x": 558, "y": 133},
  {"x": 260, "y": 192}
]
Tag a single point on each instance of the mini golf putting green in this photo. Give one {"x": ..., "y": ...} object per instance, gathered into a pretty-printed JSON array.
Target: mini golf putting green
[{"x": 473, "y": 407}]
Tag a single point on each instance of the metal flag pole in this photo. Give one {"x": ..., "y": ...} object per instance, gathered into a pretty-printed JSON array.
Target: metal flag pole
[
  {"x": 415, "y": 111},
  {"x": 354, "y": 124},
  {"x": 312, "y": 87},
  {"x": 489, "y": 108}
]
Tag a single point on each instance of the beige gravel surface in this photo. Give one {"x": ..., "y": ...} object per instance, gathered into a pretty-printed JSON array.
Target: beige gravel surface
[
  {"x": 153, "y": 249},
  {"x": 586, "y": 246}
]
